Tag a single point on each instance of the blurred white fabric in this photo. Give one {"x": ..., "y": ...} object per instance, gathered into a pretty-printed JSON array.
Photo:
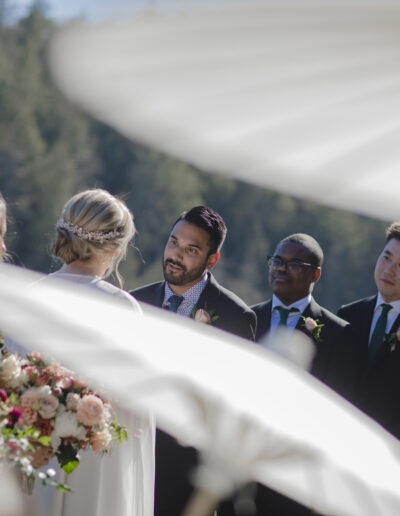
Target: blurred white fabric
[
  {"x": 121, "y": 482},
  {"x": 299, "y": 96},
  {"x": 256, "y": 418},
  {"x": 11, "y": 499}
]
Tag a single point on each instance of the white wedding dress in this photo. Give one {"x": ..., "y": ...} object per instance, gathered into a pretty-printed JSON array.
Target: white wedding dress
[{"x": 118, "y": 484}]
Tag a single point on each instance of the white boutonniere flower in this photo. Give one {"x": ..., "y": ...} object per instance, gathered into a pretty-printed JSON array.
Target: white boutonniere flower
[
  {"x": 204, "y": 316},
  {"x": 313, "y": 328}
]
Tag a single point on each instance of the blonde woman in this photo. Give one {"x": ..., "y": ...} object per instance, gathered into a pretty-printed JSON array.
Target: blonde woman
[{"x": 92, "y": 236}]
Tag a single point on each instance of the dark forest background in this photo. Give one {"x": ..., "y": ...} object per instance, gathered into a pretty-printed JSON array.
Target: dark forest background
[{"x": 49, "y": 151}]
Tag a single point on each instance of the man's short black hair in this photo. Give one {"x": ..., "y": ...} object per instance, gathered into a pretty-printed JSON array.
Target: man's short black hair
[
  {"x": 393, "y": 231},
  {"x": 208, "y": 220},
  {"x": 312, "y": 246}
]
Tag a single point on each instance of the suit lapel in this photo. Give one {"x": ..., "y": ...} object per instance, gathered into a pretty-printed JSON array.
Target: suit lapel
[
  {"x": 264, "y": 322},
  {"x": 395, "y": 325},
  {"x": 312, "y": 310},
  {"x": 159, "y": 293},
  {"x": 385, "y": 348},
  {"x": 208, "y": 298},
  {"x": 366, "y": 325}
]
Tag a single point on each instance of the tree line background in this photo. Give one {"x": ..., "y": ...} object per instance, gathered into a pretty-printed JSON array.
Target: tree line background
[{"x": 49, "y": 151}]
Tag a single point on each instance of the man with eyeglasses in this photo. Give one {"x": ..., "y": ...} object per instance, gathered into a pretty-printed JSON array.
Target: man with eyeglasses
[
  {"x": 294, "y": 268},
  {"x": 376, "y": 322}
]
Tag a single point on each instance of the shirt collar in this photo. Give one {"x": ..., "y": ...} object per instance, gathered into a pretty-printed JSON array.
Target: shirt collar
[
  {"x": 379, "y": 301},
  {"x": 301, "y": 304},
  {"x": 193, "y": 293}
]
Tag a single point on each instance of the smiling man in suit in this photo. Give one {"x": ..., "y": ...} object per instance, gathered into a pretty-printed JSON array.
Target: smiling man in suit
[
  {"x": 294, "y": 268},
  {"x": 192, "y": 250},
  {"x": 375, "y": 321}
]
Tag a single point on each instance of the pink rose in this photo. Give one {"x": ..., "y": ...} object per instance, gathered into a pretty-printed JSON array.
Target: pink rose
[
  {"x": 29, "y": 416},
  {"x": 60, "y": 374},
  {"x": 90, "y": 410},
  {"x": 39, "y": 399},
  {"x": 310, "y": 324},
  {"x": 29, "y": 397},
  {"x": 65, "y": 382},
  {"x": 30, "y": 370},
  {"x": 43, "y": 376},
  {"x": 35, "y": 355},
  {"x": 202, "y": 316},
  {"x": 100, "y": 441}
]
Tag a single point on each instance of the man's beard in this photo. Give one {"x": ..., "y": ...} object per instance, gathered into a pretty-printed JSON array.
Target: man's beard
[{"x": 184, "y": 276}]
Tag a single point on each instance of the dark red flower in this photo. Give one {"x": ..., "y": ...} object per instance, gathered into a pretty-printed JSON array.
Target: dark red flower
[
  {"x": 13, "y": 417},
  {"x": 3, "y": 395}
]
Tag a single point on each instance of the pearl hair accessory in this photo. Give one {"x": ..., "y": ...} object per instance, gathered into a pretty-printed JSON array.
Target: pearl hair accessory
[{"x": 96, "y": 236}]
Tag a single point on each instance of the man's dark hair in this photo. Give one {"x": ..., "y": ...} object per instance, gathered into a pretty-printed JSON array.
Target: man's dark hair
[
  {"x": 312, "y": 246},
  {"x": 393, "y": 231},
  {"x": 209, "y": 220}
]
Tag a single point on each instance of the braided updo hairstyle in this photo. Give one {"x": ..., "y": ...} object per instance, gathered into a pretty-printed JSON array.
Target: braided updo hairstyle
[{"x": 93, "y": 222}]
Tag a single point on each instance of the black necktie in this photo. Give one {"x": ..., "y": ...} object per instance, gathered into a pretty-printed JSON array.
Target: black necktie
[
  {"x": 173, "y": 302},
  {"x": 378, "y": 333},
  {"x": 284, "y": 314}
]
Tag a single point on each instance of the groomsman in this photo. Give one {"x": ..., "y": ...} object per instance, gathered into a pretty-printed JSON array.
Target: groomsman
[
  {"x": 192, "y": 250},
  {"x": 294, "y": 268},
  {"x": 376, "y": 320}
]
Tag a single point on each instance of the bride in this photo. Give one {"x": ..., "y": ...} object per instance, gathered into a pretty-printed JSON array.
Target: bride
[{"x": 92, "y": 236}]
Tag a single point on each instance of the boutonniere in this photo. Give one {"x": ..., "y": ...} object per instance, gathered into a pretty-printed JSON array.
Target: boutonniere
[
  {"x": 203, "y": 315},
  {"x": 313, "y": 328},
  {"x": 393, "y": 339}
]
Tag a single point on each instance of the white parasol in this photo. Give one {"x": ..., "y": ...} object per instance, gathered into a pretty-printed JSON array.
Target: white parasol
[{"x": 256, "y": 418}]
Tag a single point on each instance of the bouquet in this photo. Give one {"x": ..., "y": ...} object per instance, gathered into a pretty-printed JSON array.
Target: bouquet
[{"x": 46, "y": 411}]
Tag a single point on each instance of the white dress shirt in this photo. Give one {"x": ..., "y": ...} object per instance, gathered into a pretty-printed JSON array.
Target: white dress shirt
[
  {"x": 293, "y": 317},
  {"x": 392, "y": 314}
]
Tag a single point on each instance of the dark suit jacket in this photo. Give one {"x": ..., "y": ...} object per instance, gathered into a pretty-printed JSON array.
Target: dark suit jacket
[
  {"x": 336, "y": 357},
  {"x": 334, "y": 364},
  {"x": 233, "y": 314},
  {"x": 175, "y": 463},
  {"x": 378, "y": 390}
]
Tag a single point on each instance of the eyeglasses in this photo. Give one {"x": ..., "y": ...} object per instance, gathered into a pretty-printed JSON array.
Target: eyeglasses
[{"x": 274, "y": 262}]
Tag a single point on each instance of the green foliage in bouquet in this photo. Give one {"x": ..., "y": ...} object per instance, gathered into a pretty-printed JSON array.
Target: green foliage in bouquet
[{"x": 45, "y": 411}]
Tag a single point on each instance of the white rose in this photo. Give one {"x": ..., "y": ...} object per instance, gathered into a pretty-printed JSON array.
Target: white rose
[
  {"x": 10, "y": 371},
  {"x": 66, "y": 425}
]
